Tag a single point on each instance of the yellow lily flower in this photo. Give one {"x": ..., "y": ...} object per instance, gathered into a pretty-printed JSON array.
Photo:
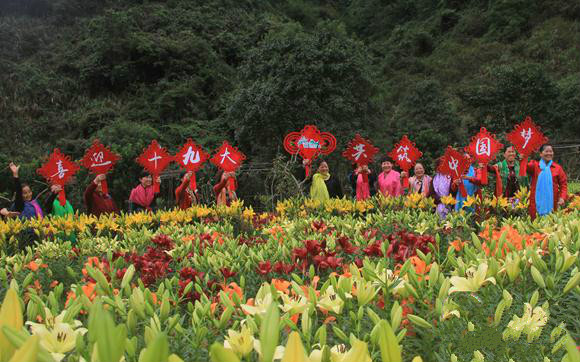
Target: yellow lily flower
[
  {"x": 260, "y": 305},
  {"x": 10, "y": 316},
  {"x": 242, "y": 342},
  {"x": 294, "y": 351},
  {"x": 293, "y": 305},
  {"x": 56, "y": 336},
  {"x": 448, "y": 200},
  {"x": 531, "y": 324},
  {"x": 473, "y": 281},
  {"x": 331, "y": 302}
]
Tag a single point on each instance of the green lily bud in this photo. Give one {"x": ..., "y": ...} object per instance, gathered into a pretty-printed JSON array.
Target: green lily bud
[
  {"x": 537, "y": 277},
  {"x": 534, "y": 298},
  {"x": 572, "y": 283}
]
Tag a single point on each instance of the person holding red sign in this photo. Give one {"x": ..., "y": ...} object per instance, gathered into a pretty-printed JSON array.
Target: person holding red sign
[
  {"x": 549, "y": 183},
  {"x": 143, "y": 195},
  {"x": 28, "y": 207},
  {"x": 363, "y": 190},
  {"x": 389, "y": 180},
  {"x": 184, "y": 195},
  {"x": 472, "y": 182},
  {"x": 439, "y": 188},
  {"x": 224, "y": 193},
  {"x": 98, "y": 202},
  {"x": 508, "y": 179},
  {"x": 322, "y": 185}
]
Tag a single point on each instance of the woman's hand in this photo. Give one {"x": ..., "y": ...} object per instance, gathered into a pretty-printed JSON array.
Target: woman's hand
[
  {"x": 55, "y": 189},
  {"x": 404, "y": 174},
  {"x": 100, "y": 178},
  {"x": 561, "y": 202},
  {"x": 14, "y": 168}
]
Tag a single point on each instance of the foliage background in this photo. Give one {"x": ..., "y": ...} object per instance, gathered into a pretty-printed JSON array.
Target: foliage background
[{"x": 128, "y": 71}]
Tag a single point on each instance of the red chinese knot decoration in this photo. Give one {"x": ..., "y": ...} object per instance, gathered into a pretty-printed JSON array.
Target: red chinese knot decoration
[
  {"x": 309, "y": 144},
  {"x": 484, "y": 148},
  {"x": 99, "y": 160},
  {"x": 527, "y": 139},
  {"x": 57, "y": 171},
  {"x": 229, "y": 159},
  {"x": 191, "y": 157},
  {"x": 455, "y": 164},
  {"x": 405, "y": 154},
  {"x": 154, "y": 159},
  {"x": 360, "y": 151}
]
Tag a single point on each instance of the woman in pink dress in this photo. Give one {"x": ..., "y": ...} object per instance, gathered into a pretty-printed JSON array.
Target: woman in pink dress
[{"x": 389, "y": 180}]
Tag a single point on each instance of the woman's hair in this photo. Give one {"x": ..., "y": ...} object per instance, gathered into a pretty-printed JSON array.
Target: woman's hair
[
  {"x": 320, "y": 162},
  {"x": 143, "y": 174},
  {"x": 386, "y": 159},
  {"x": 24, "y": 184},
  {"x": 543, "y": 147}
]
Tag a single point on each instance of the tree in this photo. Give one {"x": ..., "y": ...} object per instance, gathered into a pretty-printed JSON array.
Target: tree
[{"x": 293, "y": 78}]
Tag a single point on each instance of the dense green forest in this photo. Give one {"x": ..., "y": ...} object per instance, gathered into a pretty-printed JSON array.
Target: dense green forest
[{"x": 129, "y": 71}]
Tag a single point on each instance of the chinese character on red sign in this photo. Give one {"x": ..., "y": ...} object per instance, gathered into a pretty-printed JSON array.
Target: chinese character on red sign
[
  {"x": 57, "y": 171},
  {"x": 309, "y": 144},
  {"x": 484, "y": 148},
  {"x": 99, "y": 160},
  {"x": 154, "y": 159},
  {"x": 405, "y": 154},
  {"x": 191, "y": 157},
  {"x": 455, "y": 164},
  {"x": 360, "y": 151},
  {"x": 527, "y": 139},
  {"x": 228, "y": 158}
]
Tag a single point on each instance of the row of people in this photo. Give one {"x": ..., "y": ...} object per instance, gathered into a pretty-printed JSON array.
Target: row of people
[
  {"x": 548, "y": 181},
  {"x": 97, "y": 202}
]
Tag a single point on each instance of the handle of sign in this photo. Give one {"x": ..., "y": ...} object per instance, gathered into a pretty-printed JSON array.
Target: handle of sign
[
  {"x": 484, "y": 175},
  {"x": 462, "y": 189},
  {"x": 192, "y": 182},
  {"x": 231, "y": 184},
  {"x": 104, "y": 187},
  {"x": 523, "y": 166},
  {"x": 62, "y": 197}
]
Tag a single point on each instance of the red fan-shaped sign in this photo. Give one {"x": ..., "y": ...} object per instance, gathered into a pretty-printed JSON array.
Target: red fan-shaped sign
[
  {"x": 405, "y": 154},
  {"x": 526, "y": 138},
  {"x": 360, "y": 151},
  {"x": 155, "y": 159},
  {"x": 484, "y": 148},
  {"x": 309, "y": 143},
  {"x": 58, "y": 170},
  {"x": 455, "y": 164},
  {"x": 191, "y": 157},
  {"x": 99, "y": 160}
]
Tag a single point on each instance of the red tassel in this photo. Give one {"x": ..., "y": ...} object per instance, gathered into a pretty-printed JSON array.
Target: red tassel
[
  {"x": 155, "y": 184},
  {"x": 365, "y": 177},
  {"x": 523, "y": 166},
  {"x": 498, "y": 183},
  {"x": 307, "y": 170},
  {"x": 192, "y": 182},
  {"x": 406, "y": 182},
  {"x": 104, "y": 187},
  {"x": 462, "y": 190},
  {"x": 62, "y": 197},
  {"x": 484, "y": 175}
]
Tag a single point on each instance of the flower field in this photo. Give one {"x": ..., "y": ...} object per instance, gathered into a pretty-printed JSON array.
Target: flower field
[{"x": 381, "y": 280}]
